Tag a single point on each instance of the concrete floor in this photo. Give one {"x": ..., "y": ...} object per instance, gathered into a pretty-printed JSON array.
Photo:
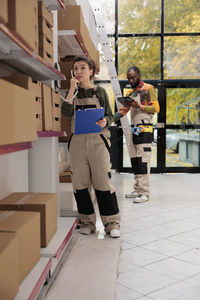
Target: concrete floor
[{"x": 160, "y": 242}]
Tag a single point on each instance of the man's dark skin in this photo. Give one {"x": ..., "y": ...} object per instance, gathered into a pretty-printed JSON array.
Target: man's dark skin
[{"x": 134, "y": 79}]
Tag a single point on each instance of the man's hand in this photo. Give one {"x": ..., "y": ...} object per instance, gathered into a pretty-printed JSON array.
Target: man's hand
[
  {"x": 102, "y": 123},
  {"x": 123, "y": 110},
  {"x": 134, "y": 104}
]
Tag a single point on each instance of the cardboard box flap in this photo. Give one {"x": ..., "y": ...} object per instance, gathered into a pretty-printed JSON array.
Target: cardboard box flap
[
  {"x": 28, "y": 198},
  {"x": 6, "y": 239},
  {"x": 14, "y": 220},
  {"x": 13, "y": 198}
]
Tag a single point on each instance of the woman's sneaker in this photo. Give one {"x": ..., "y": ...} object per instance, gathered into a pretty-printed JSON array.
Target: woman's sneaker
[
  {"x": 141, "y": 198},
  {"x": 133, "y": 194},
  {"x": 115, "y": 233}
]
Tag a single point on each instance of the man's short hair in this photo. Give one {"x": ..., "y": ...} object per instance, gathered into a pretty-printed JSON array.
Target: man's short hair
[{"x": 135, "y": 69}]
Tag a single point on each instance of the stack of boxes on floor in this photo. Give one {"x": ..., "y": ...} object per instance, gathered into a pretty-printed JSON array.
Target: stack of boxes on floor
[{"x": 27, "y": 221}]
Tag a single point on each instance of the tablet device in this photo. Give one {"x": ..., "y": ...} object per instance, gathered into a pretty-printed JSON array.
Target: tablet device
[{"x": 126, "y": 101}]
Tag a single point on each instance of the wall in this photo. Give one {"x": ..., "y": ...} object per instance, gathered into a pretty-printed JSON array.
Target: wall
[{"x": 13, "y": 173}]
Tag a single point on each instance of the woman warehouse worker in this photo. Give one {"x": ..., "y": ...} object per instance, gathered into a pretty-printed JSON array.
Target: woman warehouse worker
[{"x": 89, "y": 153}]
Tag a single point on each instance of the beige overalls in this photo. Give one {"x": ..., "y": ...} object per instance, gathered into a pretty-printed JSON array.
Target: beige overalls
[
  {"x": 140, "y": 150},
  {"x": 90, "y": 164}
]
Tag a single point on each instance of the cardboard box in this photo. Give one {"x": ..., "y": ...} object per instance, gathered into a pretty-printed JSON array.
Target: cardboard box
[
  {"x": 65, "y": 177},
  {"x": 45, "y": 13},
  {"x": 23, "y": 19},
  {"x": 55, "y": 97},
  {"x": 36, "y": 89},
  {"x": 45, "y": 29},
  {"x": 72, "y": 19},
  {"x": 39, "y": 104},
  {"x": 4, "y": 10},
  {"x": 17, "y": 114},
  {"x": 46, "y": 48},
  {"x": 47, "y": 56},
  {"x": 56, "y": 123},
  {"x": 56, "y": 110},
  {"x": 46, "y": 44},
  {"x": 44, "y": 203},
  {"x": 27, "y": 226},
  {"x": 47, "y": 108},
  {"x": 9, "y": 262},
  {"x": 18, "y": 79}
]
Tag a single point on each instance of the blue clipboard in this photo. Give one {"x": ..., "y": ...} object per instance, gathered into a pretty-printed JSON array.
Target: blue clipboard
[{"x": 85, "y": 120}]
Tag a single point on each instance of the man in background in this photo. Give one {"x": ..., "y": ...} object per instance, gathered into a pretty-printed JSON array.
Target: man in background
[{"x": 142, "y": 109}]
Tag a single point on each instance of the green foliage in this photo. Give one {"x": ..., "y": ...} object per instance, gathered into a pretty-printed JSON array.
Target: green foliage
[
  {"x": 181, "y": 53},
  {"x": 178, "y": 97}
]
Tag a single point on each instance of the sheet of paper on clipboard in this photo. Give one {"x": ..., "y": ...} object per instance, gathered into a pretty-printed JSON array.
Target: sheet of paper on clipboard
[{"x": 85, "y": 120}]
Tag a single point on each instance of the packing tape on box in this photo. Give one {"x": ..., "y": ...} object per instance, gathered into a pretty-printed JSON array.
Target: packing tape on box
[
  {"x": 6, "y": 214},
  {"x": 25, "y": 198}
]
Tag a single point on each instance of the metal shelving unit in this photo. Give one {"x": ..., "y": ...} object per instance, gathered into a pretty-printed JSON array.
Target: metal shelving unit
[
  {"x": 16, "y": 56},
  {"x": 15, "y": 147},
  {"x": 54, "y": 4},
  {"x": 44, "y": 134},
  {"x": 70, "y": 44}
]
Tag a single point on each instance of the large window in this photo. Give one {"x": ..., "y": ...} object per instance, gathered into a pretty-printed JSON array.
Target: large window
[
  {"x": 139, "y": 51},
  {"x": 182, "y": 57},
  {"x": 162, "y": 38},
  {"x": 182, "y": 16},
  {"x": 139, "y": 16}
]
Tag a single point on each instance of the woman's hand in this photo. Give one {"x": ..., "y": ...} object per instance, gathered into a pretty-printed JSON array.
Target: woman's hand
[
  {"x": 102, "y": 123},
  {"x": 74, "y": 83}
]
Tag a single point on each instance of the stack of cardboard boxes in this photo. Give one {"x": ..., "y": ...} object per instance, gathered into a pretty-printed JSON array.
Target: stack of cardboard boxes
[
  {"x": 32, "y": 23},
  {"x": 27, "y": 107},
  {"x": 72, "y": 19},
  {"x": 27, "y": 222},
  {"x": 45, "y": 20}
]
